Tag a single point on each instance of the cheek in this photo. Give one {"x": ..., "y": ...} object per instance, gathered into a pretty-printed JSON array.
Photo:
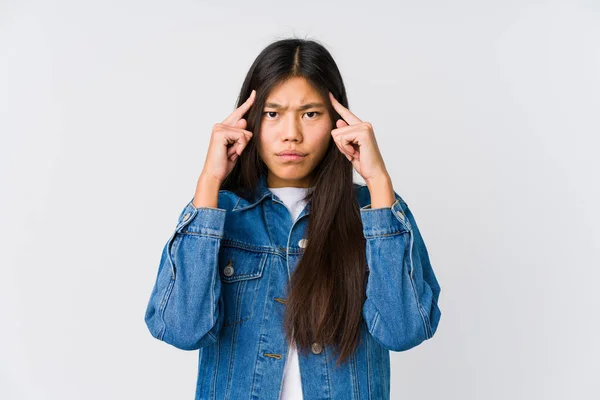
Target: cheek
[
  {"x": 319, "y": 142},
  {"x": 265, "y": 142},
  {"x": 323, "y": 134}
]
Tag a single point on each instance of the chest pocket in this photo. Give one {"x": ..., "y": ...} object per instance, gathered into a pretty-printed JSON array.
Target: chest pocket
[{"x": 240, "y": 271}]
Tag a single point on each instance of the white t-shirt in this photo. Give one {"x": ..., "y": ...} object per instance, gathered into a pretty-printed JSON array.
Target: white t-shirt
[{"x": 292, "y": 386}]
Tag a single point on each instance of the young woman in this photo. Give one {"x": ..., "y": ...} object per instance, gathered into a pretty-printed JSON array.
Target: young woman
[{"x": 292, "y": 280}]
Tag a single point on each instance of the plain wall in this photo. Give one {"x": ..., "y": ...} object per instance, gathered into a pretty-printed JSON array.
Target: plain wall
[{"x": 487, "y": 116}]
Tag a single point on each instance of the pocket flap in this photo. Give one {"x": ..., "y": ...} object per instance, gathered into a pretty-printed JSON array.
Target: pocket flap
[{"x": 237, "y": 264}]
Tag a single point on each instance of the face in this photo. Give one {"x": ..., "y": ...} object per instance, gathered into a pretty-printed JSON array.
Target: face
[{"x": 294, "y": 118}]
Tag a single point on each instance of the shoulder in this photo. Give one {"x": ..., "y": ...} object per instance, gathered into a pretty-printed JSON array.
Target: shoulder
[{"x": 228, "y": 200}]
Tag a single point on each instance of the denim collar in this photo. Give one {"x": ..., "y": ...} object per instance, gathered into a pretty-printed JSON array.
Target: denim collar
[{"x": 262, "y": 192}]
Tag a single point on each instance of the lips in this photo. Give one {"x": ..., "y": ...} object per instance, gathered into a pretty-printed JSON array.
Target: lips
[
  {"x": 290, "y": 153},
  {"x": 292, "y": 156}
]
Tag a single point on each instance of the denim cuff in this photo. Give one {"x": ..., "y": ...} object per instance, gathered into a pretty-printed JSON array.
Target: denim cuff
[
  {"x": 385, "y": 220},
  {"x": 202, "y": 220}
]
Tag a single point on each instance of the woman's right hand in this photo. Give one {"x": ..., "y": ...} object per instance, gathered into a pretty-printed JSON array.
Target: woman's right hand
[{"x": 227, "y": 141}]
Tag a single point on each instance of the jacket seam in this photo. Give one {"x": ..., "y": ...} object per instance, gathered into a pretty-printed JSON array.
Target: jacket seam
[
  {"x": 201, "y": 369},
  {"x": 368, "y": 354},
  {"x": 169, "y": 247},
  {"x": 210, "y": 235},
  {"x": 395, "y": 233},
  {"x": 213, "y": 388},
  {"x": 354, "y": 375},
  {"x": 375, "y": 320},
  {"x": 414, "y": 289},
  {"x": 163, "y": 307},
  {"x": 234, "y": 337},
  {"x": 214, "y": 277},
  {"x": 326, "y": 351}
]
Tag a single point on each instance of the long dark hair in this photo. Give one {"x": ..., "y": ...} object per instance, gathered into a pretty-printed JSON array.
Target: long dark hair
[{"x": 328, "y": 288}]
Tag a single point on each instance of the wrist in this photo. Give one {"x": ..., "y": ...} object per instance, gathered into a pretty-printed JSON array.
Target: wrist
[
  {"x": 207, "y": 192},
  {"x": 378, "y": 180},
  {"x": 209, "y": 180},
  {"x": 381, "y": 191}
]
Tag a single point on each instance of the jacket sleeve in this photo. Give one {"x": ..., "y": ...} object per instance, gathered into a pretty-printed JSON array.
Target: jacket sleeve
[
  {"x": 185, "y": 307},
  {"x": 401, "y": 308}
]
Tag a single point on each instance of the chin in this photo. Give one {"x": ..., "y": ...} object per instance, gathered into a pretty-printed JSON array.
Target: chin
[{"x": 290, "y": 173}]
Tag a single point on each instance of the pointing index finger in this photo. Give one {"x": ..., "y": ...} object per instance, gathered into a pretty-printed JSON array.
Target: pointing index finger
[
  {"x": 239, "y": 112},
  {"x": 350, "y": 118}
]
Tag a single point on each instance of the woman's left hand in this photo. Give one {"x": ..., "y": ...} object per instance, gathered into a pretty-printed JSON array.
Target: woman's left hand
[{"x": 356, "y": 140}]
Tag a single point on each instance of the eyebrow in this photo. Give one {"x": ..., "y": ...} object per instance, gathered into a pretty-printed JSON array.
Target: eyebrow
[{"x": 302, "y": 107}]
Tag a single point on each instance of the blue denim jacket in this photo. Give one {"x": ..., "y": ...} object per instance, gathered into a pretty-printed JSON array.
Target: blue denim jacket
[{"x": 220, "y": 289}]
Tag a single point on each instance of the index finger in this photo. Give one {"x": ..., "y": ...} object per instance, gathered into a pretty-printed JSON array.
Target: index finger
[
  {"x": 239, "y": 112},
  {"x": 350, "y": 118}
]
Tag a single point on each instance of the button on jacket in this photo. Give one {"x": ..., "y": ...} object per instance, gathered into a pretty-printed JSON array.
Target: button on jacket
[{"x": 220, "y": 288}]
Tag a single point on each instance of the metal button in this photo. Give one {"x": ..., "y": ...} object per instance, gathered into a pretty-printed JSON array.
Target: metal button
[
  {"x": 186, "y": 216},
  {"x": 302, "y": 243},
  {"x": 316, "y": 348},
  {"x": 228, "y": 271}
]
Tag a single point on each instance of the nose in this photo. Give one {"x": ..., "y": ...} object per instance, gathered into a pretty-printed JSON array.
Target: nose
[{"x": 292, "y": 129}]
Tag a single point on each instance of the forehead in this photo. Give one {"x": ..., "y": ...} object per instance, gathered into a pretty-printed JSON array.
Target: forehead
[{"x": 296, "y": 90}]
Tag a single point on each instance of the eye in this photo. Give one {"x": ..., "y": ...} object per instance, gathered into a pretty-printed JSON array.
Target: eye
[{"x": 268, "y": 114}]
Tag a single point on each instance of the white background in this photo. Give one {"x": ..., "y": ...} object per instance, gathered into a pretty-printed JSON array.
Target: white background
[{"x": 487, "y": 115}]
